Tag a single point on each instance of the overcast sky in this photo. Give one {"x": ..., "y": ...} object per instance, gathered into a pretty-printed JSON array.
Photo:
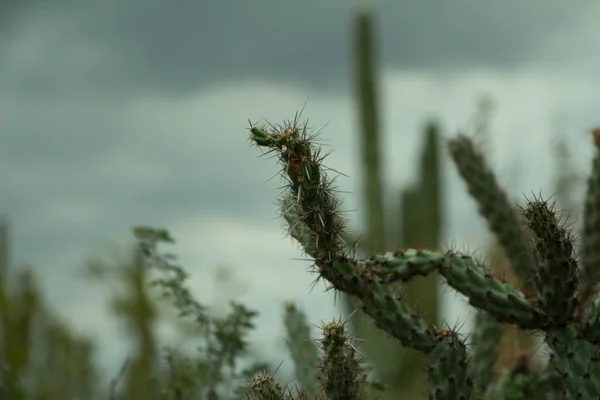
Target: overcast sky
[{"x": 120, "y": 113}]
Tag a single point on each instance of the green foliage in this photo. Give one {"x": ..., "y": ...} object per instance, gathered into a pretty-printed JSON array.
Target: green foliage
[
  {"x": 552, "y": 305},
  {"x": 216, "y": 370},
  {"x": 43, "y": 359},
  {"x": 40, "y": 357}
]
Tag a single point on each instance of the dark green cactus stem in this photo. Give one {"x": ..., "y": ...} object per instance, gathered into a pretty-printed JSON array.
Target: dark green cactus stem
[
  {"x": 448, "y": 368},
  {"x": 556, "y": 278},
  {"x": 341, "y": 374}
]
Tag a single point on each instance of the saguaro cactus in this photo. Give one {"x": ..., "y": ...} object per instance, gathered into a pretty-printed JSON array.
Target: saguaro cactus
[
  {"x": 569, "y": 324},
  {"x": 418, "y": 223}
]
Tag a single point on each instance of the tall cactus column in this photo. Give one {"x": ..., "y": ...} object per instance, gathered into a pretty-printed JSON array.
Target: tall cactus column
[
  {"x": 401, "y": 369},
  {"x": 370, "y": 132}
]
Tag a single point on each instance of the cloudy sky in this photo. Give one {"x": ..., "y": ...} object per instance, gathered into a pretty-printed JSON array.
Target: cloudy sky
[{"x": 119, "y": 113}]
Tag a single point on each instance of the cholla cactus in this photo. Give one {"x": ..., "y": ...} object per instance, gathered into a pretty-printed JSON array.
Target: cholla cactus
[{"x": 559, "y": 303}]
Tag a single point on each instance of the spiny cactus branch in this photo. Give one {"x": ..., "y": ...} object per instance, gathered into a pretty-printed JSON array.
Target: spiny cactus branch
[{"x": 547, "y": 262}]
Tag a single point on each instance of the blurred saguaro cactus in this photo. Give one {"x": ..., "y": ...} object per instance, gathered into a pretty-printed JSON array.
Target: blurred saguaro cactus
[{"x": 417, "y": 223}]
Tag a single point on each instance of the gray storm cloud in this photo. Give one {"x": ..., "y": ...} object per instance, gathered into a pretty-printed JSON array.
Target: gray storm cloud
[{"x": 184, "y": 45}]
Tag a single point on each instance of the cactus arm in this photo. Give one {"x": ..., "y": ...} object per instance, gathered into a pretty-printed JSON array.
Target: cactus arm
[{"x": 493, "y": 205}]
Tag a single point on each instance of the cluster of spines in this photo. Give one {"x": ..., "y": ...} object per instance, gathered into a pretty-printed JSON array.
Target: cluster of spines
[
  {"x": 547, "y": 263},
  {"x": 341, "y": 375},
  {"x": 266, "y": 387},
  {"x": 555, "y": 275}
]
